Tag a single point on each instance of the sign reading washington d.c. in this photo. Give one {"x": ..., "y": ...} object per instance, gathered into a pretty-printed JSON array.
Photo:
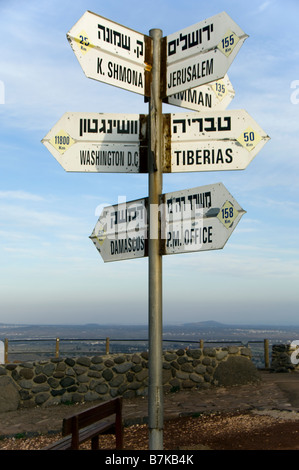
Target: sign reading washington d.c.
[{"x": 94, "y": 142}]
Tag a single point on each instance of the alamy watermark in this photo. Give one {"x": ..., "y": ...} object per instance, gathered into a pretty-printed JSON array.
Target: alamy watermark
[
  {"x": 181, "y": 222},
  {"x": 295, "y": 94},
  {"x": 2, "y": 92},
  {"x": 295, "y": 353}
]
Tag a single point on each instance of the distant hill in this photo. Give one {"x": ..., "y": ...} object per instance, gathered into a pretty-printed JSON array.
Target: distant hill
[{"x": 206, "y": 324}]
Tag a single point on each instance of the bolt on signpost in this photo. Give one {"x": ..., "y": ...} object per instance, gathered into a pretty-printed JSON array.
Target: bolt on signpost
[{"x": 187, "y": 69}]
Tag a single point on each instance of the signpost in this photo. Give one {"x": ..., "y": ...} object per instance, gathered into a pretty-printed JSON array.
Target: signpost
[
  {"x": 121, "y": 231},
  {"x": 111, "y": 53},
  {"x": 222, "y": 140},
  {"x": 201, "y": 53},
  {"x": 155, "y": 185},
  {"x": 186, "y": 69},
  {"x": 94, "y": 142},
  {"x": 216, "y": 95},
  {"x": 198, "y": 219}
]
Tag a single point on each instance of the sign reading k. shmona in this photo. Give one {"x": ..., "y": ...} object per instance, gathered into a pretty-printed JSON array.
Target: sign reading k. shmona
[{"x": 111, "y": 53}]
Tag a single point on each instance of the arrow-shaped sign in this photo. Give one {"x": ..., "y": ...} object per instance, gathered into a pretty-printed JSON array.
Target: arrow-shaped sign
[
  {"x": 198, "y": 219},
  {"x": 94, "y": 142},
  {"x": 201, "y": 53},
  {"x": 222, "y": 140},
  {"x": 111, "y": 53},
  {"x": 121, "y": 231},
  {"x": 213, "y": 96}
]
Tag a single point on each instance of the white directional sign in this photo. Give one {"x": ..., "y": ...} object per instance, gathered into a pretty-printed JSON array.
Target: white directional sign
[
  {"x": 94, "y": 142},
  {"x": 121, "y": 231},
  {"x": 201, "y": 53},
  {"x": 111, "y": 53},
  {"x": 199, "y": 219},
  {"x": 216, "y": 95},
  {"x": 210, "y": 141}
]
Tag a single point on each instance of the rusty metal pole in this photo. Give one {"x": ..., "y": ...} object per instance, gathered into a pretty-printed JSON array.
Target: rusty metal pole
[
  {"x": 57, "y": 348},
  {"x": 6, "y": 351},
  {"x": 107, "y": 345},
  {"x": 155, "y": 392},
  {"x": 266, "y": 353}
]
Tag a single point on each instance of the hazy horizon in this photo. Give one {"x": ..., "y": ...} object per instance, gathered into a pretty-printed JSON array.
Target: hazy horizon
[{"x": 206, "y": 323}]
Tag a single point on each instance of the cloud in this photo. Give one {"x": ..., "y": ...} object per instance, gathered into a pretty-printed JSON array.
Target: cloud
[
  {"x": 18, "y": 236},
  {"x": 264, "y": 6},
  {"x": 241, "y": 262},
  {"x": 27, "y": 216},
  {"x": 20, "y": 195}
]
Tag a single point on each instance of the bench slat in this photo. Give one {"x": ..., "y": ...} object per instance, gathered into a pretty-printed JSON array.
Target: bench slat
[
  {"x": 86, "y": 433},
  {"x": 89, "y": 424},
  {"x": 91, "y": 415}
]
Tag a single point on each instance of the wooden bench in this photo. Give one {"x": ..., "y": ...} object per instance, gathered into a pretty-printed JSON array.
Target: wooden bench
[{"x": 89, "y": 424}]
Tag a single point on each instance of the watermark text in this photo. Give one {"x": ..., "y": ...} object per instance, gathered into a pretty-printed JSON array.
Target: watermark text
[
  {"x": 295, "y": 94},
  {"x": 2, "y": 92}
]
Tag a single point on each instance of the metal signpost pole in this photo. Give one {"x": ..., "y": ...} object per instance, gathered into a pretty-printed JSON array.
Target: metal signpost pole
[{"x": 155, "y": 394}]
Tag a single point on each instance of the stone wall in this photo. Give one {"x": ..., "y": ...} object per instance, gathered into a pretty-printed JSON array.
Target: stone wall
[{"x": 63, "y": 380}]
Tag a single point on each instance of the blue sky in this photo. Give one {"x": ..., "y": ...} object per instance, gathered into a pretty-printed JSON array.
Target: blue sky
[{"x": 50, "y": 271}]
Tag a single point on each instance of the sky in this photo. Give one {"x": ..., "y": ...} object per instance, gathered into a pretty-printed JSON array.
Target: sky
[{"x": 50, "y": 271}]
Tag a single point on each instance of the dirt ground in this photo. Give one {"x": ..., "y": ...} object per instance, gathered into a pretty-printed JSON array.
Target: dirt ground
[
  {"x": 263, "y": 416},
  {"x": 216, "y": 431}
]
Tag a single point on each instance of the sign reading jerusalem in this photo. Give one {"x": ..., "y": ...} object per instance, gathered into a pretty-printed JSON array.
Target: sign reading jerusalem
[
  {"x": 112, "y": 53},
  {"x": 94, "y": 142},
  {"x": 201, "y": 53}
]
